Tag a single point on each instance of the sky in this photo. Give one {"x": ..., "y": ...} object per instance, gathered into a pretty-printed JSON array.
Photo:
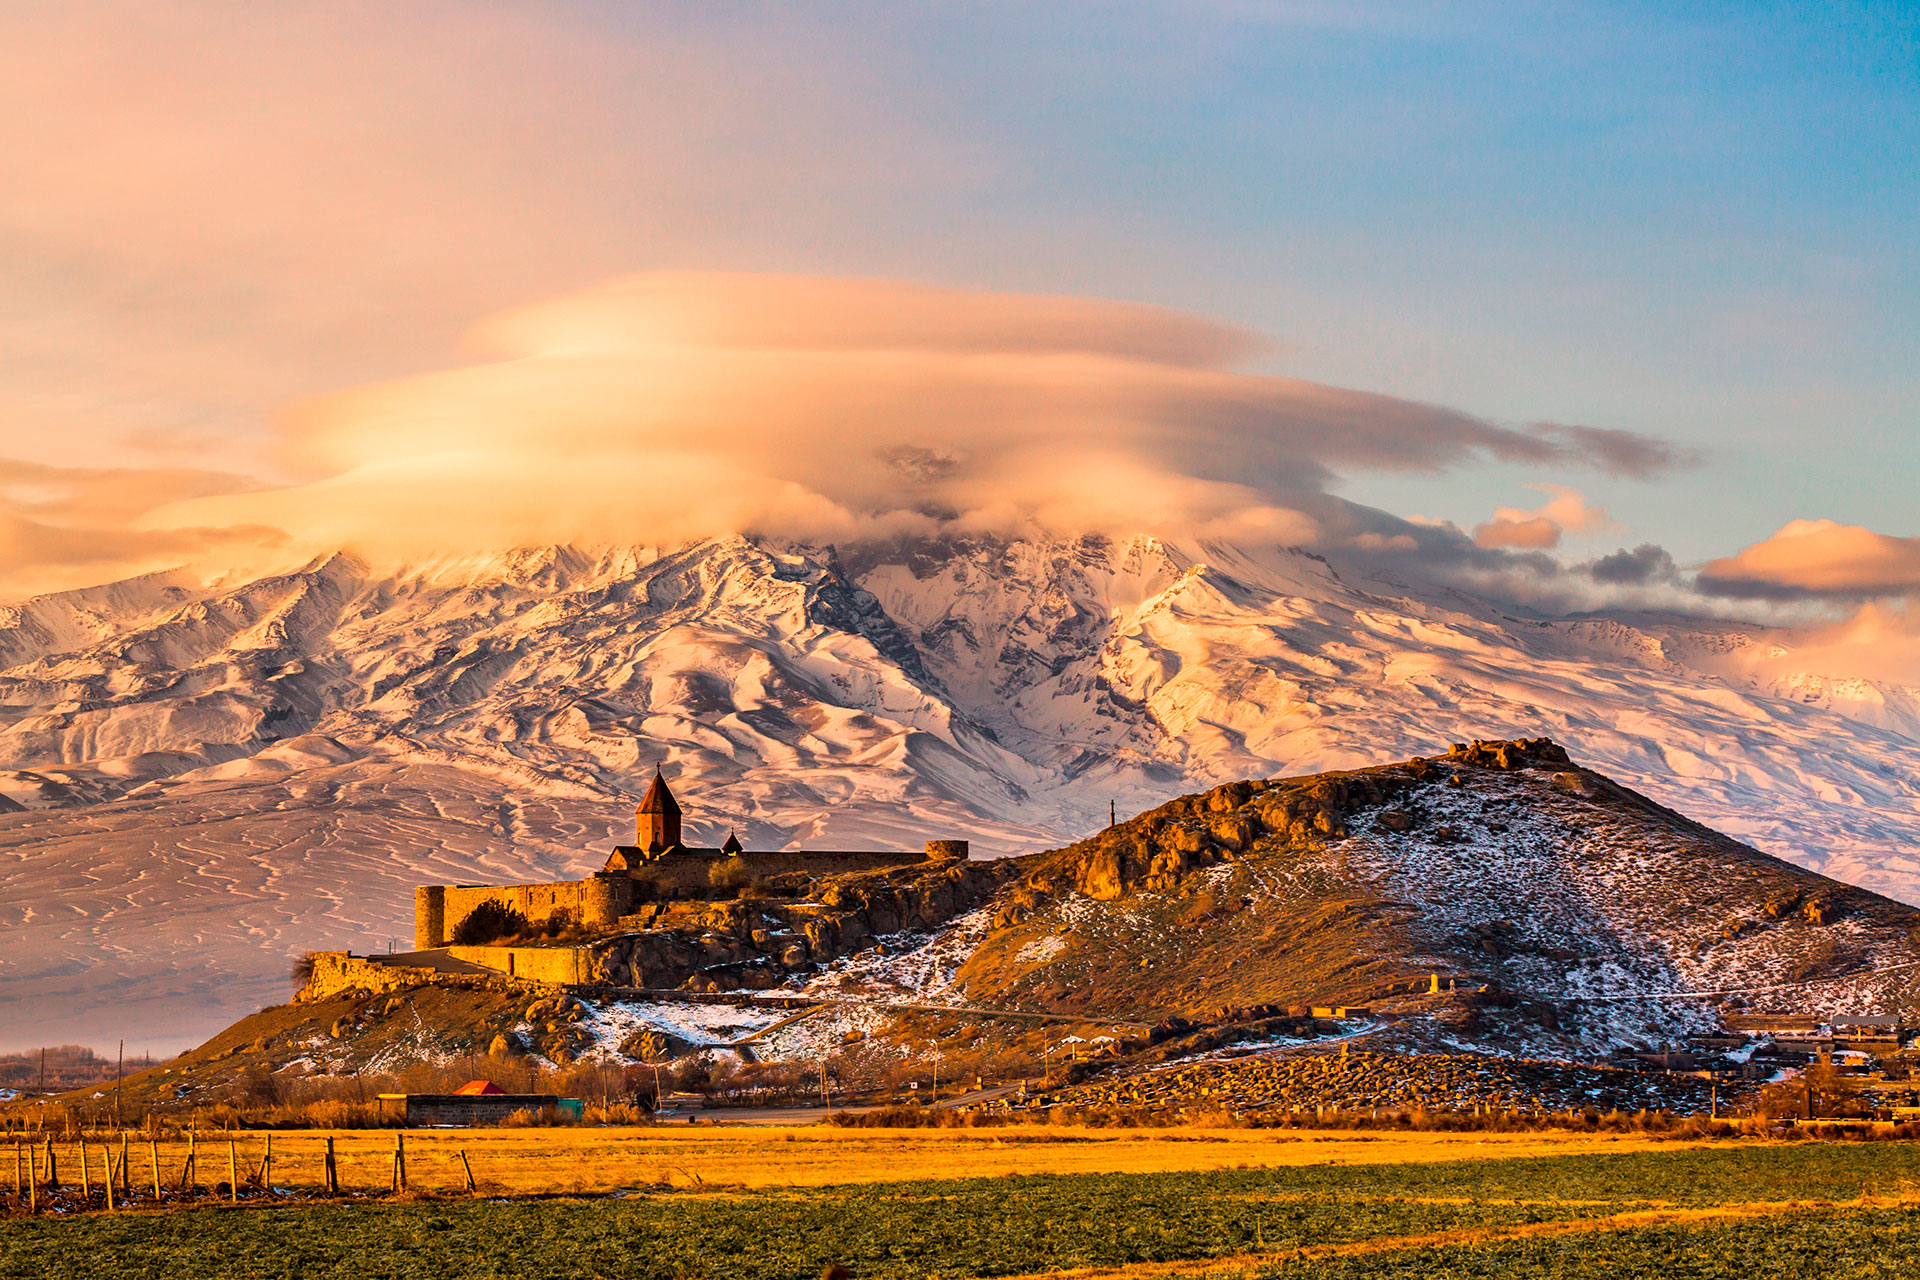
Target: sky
[{"x": 1580, "y": 304}]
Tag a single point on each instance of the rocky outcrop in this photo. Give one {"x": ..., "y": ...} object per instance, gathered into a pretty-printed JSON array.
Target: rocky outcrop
[
  {"x": 1521, "y": 753},
  {"x": 754, "y": 944}
]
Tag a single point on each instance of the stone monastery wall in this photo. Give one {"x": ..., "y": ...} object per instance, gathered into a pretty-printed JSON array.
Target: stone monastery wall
[
  {"x": 690, "y": 870},
  {"x": 601, "y": 899},
  {"x": 438, "y": 909}
]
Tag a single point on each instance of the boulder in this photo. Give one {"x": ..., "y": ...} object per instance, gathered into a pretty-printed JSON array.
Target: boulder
[{"x": 650, "y": 1045}]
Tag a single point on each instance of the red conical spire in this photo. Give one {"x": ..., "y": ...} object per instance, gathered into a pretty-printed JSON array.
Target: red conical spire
[{"x": 657, "y": 820}]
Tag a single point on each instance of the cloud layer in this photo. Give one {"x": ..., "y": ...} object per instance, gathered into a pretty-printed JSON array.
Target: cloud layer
[
  {"x": 671, "y": 406},
  {"x": 75, "y": 526}
]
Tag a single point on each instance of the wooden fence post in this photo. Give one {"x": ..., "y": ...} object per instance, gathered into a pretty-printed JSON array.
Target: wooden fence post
[
  {"x": 187, "y": 1170},
  {"x": 266, "y": 1166},
  {"x": 233, "y": 1172},
  {"x": 86, "y": 1174},
  {"x": 126, "y": 1184},
  {"x": 399, "y": 1162},
  {"x": 33, "y": 1180},
  {"x": 332, "y": 1171},
  {"x": 106, "y": 1153},
  {"x": 471, "y": 1188},
  {"x": 153, "y": 1155}
]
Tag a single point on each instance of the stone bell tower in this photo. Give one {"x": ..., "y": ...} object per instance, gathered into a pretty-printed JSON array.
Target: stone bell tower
[{"x": 657, "y": 820}]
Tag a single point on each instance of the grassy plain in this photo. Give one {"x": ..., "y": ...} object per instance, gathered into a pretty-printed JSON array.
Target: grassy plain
[
  {"x": 596, "y": 1160},
  {"x": 775, "y": 1205}
]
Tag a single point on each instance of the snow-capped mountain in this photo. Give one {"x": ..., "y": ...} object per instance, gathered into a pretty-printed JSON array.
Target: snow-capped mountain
[{"x": 214, "y": 777}]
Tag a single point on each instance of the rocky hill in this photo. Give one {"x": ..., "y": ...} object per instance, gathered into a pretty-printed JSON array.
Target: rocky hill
[
  {"x": 1591, "y": 916},
  {"x": 1498, "y": 899},
  {"x": 216, "y": 776}
]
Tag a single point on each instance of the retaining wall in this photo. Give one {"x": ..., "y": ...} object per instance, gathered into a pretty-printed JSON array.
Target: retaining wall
[
  {"x": 338, "y": 971},
  {"x": 534, "y": 964}
]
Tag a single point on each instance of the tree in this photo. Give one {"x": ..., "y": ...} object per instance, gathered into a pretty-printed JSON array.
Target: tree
[
  {"x": 1830, "y": 1094},
  {"x": 489, "y": 922}
]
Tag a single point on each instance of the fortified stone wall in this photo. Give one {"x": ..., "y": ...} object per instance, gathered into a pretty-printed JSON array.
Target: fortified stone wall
[
  {"x": 337, "y": 973},
  {"x": 438, "y": 909},
  {"x": 690, "y": 872},
  {"x": 601, "y": 899}
]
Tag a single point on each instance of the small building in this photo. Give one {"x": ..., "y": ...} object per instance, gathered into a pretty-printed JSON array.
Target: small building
[
  {"x": 1781, "y": 1026},
  {"x": 476, "y": 1102},
  {"x": 1875, "y": 1031}
]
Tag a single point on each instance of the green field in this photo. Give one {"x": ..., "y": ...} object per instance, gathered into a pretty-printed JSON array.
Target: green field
[{"x": 1732, "y": 1202}]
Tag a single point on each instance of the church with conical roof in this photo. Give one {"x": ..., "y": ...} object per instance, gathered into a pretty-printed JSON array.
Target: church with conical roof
[{"x": 657, "y": 820}]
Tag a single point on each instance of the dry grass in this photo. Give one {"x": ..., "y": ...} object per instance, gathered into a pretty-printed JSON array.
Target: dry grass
[{"x": 590, "y": 1160}]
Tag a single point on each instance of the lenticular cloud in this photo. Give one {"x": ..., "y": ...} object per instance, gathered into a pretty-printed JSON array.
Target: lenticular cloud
[{"x": 674, "y": 406}]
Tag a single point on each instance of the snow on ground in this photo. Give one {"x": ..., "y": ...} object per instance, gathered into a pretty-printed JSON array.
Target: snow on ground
[
  {"x": 819, "y": 1034},
  {"x": 1250, "y": 1045},
  {"x": 906, "y": 966},
  {"x": 418, "y": 1045},
  {"x": 1042, "y": 949},
  {"x": 1612, "y": 913},
  {"x": 610, "y": 1023}
]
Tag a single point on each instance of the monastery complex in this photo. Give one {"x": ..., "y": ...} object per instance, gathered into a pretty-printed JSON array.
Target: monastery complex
[{"x": 656, "y": 867}]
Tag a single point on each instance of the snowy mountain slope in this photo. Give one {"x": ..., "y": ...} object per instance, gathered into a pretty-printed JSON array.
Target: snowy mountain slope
[
  {"x": 1004, "y": 691},
  {"x": 1240, "y": 666}
]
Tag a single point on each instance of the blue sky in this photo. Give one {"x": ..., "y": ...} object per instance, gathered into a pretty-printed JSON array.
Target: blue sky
[{"x": 1697, "y": 222}]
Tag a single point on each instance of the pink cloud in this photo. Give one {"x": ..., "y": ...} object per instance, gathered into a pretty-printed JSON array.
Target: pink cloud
[
  {"x": 67, "y": 526},
  {"x": 1810, "y": 558},
  {"x": 1541, "y": 529}
]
